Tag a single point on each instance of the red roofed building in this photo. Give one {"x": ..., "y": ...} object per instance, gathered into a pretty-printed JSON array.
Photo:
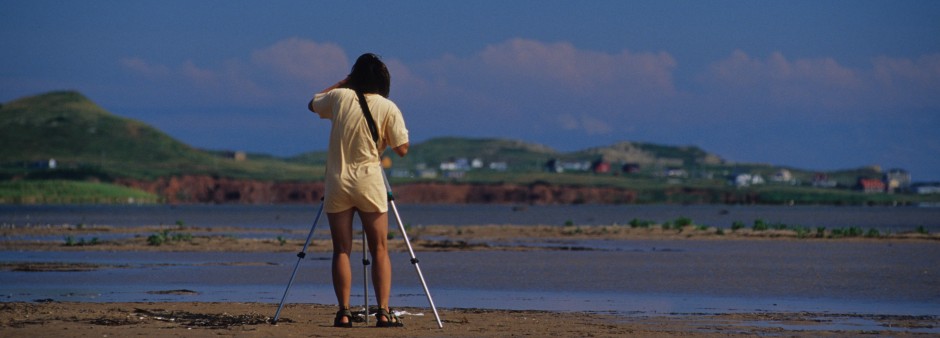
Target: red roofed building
[{"x": 871, "y": 185}]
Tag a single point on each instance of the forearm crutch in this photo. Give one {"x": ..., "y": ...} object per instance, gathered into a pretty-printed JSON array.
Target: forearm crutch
[
  {"x": 300, "y": 257},
  {"x": 414, "y": 260}
]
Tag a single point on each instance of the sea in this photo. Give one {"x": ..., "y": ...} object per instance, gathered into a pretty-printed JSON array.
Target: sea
[{"x": 625, "y": 277}]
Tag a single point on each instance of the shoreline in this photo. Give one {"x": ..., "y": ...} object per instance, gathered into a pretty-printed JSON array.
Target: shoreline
[{"x": 254, "y": 319}]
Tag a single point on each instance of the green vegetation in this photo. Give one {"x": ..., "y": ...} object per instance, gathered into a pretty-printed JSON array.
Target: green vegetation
[
  {"x": 70, "y": 241},
  {"x": 638, "y": 223},
  {"x": 805, "y": 232},
  {"x": 759, "y": 225},
  {"x": 63, "y": 192},
  {"x": 683, "y": 221},
  {"x": 846, "y": 232},
  {"x": 166, "y": 236}
]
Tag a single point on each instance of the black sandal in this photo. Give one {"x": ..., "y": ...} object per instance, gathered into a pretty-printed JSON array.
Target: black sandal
[
  {"x": 391, "y": 320},
  {"x": 338, "y": 321}
]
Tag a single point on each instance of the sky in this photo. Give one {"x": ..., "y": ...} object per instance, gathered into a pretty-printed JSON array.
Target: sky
[{"x": 816, "y": 85}]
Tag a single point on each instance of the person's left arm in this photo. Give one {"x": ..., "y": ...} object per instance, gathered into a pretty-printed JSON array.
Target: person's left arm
[{"x": 401, "y": 150}]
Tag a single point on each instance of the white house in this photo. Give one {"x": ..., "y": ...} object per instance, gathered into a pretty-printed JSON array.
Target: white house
[{"x": 744, "y": 180}]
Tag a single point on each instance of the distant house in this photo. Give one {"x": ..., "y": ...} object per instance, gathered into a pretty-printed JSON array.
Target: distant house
[
  {"x": 427, "y": 173},
  {"x": 630, "y": 168},
  {"x": 448, "y": 166},
  {"x": 499, "y": 166},
  {"x": 457, "y": 164},
  {"x": 401, "y": 173},
  {"x": 928, "y": 189},
  {"x": 745, "y": 180},
  {"x": 50, "y": 164},
  {"x": 898, "y": 179},
  {"x": 455, "y": 174},
  {"x": 557, "y": 166},
  {"x": 236, "y": 155},
  {"x": 821, "y": 180},
  {"x": 600, "y": 167},
  {"x": 676, "y": 173},
  {"x": 871, "y": 185},
  {"x": 783, "y": 176}
]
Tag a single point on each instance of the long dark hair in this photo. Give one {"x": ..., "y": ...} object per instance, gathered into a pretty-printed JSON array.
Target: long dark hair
[{"x": 369, "y": 75}]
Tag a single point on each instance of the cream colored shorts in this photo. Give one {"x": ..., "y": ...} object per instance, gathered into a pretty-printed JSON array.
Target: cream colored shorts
[{"x": 360, "y": 187}]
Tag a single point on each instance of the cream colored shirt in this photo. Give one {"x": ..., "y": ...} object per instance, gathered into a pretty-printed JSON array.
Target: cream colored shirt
[{"x": 353, "y": 170}]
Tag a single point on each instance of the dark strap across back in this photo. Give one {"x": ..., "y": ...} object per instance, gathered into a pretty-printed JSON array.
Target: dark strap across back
[{"x": 368, "y": 114}]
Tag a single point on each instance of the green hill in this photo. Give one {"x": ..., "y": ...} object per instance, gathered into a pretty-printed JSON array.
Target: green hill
[
  {"x": 69, "y": 127},
  {"x": 92, "y": 144},
  {"x": 86, "y": 140}
]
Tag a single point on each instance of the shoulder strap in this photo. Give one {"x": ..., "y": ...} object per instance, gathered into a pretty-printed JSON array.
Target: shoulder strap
[{"x": 368, "y": 114}]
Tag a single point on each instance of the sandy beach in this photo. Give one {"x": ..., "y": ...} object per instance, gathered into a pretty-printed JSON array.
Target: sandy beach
[
  {"x": 308, "y": 320},
  {"x": 424, "y": 238},
  {"x": 250, "y": 319}
]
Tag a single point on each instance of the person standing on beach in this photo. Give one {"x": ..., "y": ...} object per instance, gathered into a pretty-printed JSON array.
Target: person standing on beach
[{"x": 354, "y": 180}]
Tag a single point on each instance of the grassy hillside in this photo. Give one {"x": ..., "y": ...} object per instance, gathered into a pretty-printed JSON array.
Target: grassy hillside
[
  {"x": 84, "y": 139},
  {"x": 67, "y": 192},
  {"x": 69, "y": 127}
]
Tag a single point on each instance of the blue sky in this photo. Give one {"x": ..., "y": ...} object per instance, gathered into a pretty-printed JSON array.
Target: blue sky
[{"x": 819, "y": 85}]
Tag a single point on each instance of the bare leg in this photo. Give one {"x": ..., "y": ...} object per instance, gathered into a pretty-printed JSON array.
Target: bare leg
[
  {"x": 341, "y": 233},
  {"x": 375, "y": 224}
]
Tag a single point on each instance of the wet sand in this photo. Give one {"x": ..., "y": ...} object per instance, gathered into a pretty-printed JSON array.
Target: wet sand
[
  {"x": 306, "y": 320},
  {"x": 423, "y": 238},
  {"x": 50, "y": 318}
]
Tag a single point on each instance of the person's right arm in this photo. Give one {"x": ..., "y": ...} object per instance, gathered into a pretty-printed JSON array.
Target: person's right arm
[{"x": 340, "y": 84}]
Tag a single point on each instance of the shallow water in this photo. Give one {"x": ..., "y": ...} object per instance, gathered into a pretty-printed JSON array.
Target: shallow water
[{"x": 634, "y": 278}]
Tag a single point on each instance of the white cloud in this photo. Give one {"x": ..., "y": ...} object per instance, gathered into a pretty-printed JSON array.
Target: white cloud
[
  {"x": 519, "y": 81},
  {"x": 290, "y": 67},
  {"x": 585, "y": 124},
  {"x": 823, "y": 85},
  {"x": 779, "y": 81},
  {"x": 144, "y": 68},
  {"x": 566, "y": 67},
  {"x": 909, "y": 82},
  {"x": 304, "y": 59}
]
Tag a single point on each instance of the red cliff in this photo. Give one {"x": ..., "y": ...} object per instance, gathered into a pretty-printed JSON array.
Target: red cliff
[{"x": 207, "y": 189}]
